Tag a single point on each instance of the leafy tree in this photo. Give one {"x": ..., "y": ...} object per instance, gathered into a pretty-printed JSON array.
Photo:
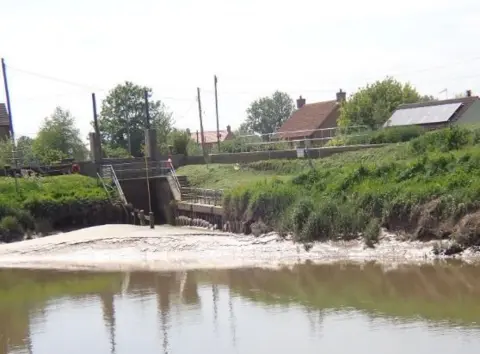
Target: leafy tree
[
  {"x": 58, "y": 138},
  {"x": 179, "y": 140},
  {"x": 118, "y": 152},
  {"x": 122, "y": 120},
  {"x": 373, "y": 105},
  {"x": 267, "y": 114},
  {"x": 25, "y": 150}
]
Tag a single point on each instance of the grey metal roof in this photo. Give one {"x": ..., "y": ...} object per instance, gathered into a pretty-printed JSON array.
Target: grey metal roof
[
  {"x": 4, "y": 121},
  {"x": 423, "y": 115}
]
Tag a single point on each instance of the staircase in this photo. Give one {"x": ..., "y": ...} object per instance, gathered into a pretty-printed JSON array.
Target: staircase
[{"x": 112, "y": 186}]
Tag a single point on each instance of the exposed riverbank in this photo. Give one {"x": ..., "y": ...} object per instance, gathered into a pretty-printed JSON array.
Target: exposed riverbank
[
  {"x": 129, "y": 247},
  {"x": 425, "y": 189},
  {"x": 40, "y": 205}
]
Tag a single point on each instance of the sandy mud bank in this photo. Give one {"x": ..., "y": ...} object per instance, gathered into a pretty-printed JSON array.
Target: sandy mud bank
[{"x": 128, "y": 247}]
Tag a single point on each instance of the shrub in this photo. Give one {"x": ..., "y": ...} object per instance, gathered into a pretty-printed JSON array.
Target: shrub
[{"x": 10, "y": 229}]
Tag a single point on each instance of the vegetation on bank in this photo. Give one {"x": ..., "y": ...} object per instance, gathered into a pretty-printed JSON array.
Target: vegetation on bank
[
  {"x": 43, "y": 204},
  {"x": 427, "y": 188}
]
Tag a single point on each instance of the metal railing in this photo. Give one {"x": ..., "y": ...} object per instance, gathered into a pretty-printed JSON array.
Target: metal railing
[
  {"x": 203, "y": 196},
  {"x": 287, "y": 140},
  {"x": 108, "y": 173}
]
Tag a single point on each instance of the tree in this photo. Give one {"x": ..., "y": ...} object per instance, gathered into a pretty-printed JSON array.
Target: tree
[
  {"x": 122, "y": 120},
  {"x": 267, "y": 114},
  {"x": 24, "y": 151},
  {"x": 58, "y": 138},
  {"x": 373, "y": 105}
]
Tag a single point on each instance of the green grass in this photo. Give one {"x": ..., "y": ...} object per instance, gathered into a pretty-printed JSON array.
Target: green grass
[
  {"x": 62, "y": 201},
  {"x": 423, "y": 187}
]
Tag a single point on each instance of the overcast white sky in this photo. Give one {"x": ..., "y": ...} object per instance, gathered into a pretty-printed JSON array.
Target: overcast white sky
[{"x": 304, "y": 47}]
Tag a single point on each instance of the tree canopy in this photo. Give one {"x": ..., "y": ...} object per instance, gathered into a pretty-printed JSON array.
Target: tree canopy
[
  {"x": 58, "y": 139},
  {"x": 267, "y": 114},
  {"x": 373, "y": 104},
  {"x": 122, "y": 120}
]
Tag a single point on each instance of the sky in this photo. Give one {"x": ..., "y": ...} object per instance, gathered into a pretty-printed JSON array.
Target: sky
[{"x": 60, "y": 51}]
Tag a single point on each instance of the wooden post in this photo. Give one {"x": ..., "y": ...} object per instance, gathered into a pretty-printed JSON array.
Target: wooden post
[
  {"x": 147, "y": 111},
  {"x": 216, "y": 112},
  {"x": 10, "y": 122},
  {"x": 201, "y": 123},
  {"x": 97, "y": 129},
  {"x": 151, "y": 219}
]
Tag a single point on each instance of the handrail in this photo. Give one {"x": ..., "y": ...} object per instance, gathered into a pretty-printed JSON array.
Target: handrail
[
  {"x": 113, "y": 175},
  {"x": 203, "y": 196},
  {"x": 174, "y": 175}
]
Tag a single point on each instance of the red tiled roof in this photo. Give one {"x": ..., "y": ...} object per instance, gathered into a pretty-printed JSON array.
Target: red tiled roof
[
  {"x": 309, "y": 117},
  {"x": 4, "y": 121},
  {"x": 210, "y": 136}
]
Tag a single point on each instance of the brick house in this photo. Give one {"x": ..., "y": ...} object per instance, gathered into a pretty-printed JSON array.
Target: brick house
[
  {"x": 437, "y": 114},
  {"x": 210, "y": 137},
  {"x": 4, "y": 122},
  {"x": 311, "y": 121}
]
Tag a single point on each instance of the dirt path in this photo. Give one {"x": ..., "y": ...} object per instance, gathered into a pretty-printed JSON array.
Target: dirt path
[{"x": 114, "y": 247}]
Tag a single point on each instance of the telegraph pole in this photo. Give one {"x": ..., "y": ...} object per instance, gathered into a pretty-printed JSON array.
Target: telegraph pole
[
  {"x": 10, "y": 122},
  {"x": 95, "y": 123},
  {"x": 201, "y": 122},
  {"x": 215, "y": 80},
  {"x": 147, "y": 111}
]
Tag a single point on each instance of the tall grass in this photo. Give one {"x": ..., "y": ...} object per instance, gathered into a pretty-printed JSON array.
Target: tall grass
[
  {"x": 59, "y": 202},
  {"x": 423, "y": 187}
]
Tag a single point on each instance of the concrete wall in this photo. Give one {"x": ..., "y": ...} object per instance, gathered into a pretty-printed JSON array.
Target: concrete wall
[{"x": 136, "y": 192}]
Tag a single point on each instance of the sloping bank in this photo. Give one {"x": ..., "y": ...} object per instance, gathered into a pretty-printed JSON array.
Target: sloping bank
[
  {"x": 43, "y": 204},
  {"x": 428, "y": 188}
]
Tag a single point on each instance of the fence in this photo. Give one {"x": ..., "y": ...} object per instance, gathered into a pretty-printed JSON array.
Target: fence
[
  {"x": 283, "y": 140},
  {"x": 203, "y": 196}
]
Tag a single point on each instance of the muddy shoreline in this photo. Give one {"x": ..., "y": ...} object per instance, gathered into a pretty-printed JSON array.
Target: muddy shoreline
[{"x": 128, "y": 247}]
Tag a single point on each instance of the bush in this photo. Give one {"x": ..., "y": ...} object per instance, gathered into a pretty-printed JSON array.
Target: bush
[
  {"x": 179, "y": 140},
  {"x": 10, "y": 229},
  {"x": 382, "y": 136}
]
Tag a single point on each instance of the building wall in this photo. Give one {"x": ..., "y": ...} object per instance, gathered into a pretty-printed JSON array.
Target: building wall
[
  {"x": 472, "y": 115},
  {"x": 330, "y": 122},
  {"x": 4, "y": 132}
]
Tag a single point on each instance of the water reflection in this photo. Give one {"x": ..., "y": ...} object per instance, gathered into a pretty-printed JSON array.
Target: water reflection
[{"x": 243, "y": 311}]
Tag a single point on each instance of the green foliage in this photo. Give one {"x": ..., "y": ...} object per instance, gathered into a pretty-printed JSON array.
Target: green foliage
[
  {"x": 10, "y": 229},
  {"x": 381, "y": 136},
  {"x": 58, "y": 138},
  {"x": 373, "y": 104},
  {"x": 267, "y": 114},
  {"x": 180, "y": 140},
  {"x": 411, "y": 187},
  {"x": 123, "y": 114},
  {"x": 115, "y": 152},
  {"x": 64, "y": 201}
]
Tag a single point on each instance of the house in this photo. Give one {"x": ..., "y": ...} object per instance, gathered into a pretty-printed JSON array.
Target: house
[
  {"x": 437, "y": 114},
  {"x": 4, "y": 122},
  {"x": 312, "y": 121},
  {"x": 210, "y": 137}
]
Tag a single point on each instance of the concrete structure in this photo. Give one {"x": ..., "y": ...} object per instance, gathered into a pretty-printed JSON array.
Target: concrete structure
[
  {"x": 305, "y": 123},
  {"x": 4, "y": 122},
  {"x": 437, "y": 114}
]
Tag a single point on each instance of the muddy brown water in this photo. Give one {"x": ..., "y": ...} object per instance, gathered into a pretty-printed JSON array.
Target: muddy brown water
[{"x": 335, "y": 308}]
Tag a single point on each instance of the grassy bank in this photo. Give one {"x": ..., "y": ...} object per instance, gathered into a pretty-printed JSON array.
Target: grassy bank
[
  {"x": 427, "y": 188},
  {"x": 47, "y": 203}
]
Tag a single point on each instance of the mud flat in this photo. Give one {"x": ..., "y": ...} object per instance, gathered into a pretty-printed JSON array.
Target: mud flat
[{"x": 128, "y": 247}]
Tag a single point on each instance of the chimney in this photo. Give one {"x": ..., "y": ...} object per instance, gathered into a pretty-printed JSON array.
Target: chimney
[
  {"x": 469, "y": 93},
  {"x": 341, "y": 96},
  {"x": 229, "y": 129},
  {"x": 300, "y": 102}
]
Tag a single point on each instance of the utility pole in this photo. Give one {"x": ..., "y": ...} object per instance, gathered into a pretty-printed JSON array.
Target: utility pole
[
  {"x": 147, "y": 111},
  {"x": 95, "y": 123},
  {"x": 10, "y": 121},
  {"x": 215, "y": 80},
  {"x": 201, "y": 122}
]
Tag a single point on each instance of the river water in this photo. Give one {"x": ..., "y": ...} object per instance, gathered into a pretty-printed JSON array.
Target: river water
[{"x": 335, "y": 308}]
